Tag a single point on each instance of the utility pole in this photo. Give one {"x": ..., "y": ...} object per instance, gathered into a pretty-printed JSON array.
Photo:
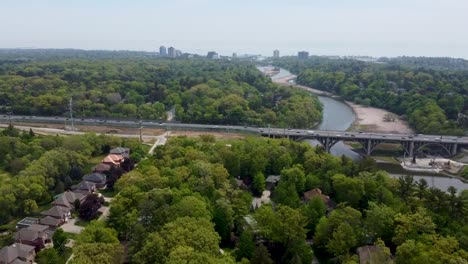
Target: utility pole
[
  {"x": 71, "y": 114},
  {"x": 9, "y": 117},
  {"x": 141, "y": 136}
]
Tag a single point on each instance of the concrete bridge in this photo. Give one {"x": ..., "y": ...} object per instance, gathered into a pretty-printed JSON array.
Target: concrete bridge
[{"x": 409, "y": 142}]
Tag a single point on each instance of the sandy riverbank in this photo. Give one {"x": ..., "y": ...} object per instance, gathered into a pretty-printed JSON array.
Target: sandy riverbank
[{"x": 369, "y": 119}]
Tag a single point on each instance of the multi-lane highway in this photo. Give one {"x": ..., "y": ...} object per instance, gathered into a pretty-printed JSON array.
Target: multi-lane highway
[{"x": 410, "y": 142}]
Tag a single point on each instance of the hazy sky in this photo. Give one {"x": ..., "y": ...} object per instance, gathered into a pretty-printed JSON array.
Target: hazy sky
[{"x": 323, "y": 27}]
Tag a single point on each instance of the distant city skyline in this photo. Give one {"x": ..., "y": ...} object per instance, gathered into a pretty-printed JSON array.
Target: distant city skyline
[{"x": 323, "y": 27}]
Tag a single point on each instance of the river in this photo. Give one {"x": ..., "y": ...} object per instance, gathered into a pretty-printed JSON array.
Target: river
[{"x": 339, "y": 116}]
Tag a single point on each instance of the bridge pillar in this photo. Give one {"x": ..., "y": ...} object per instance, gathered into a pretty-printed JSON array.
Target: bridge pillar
[
  {"x": 327, "y": 144},
  {"x": 454, "y": 149},
  {"x": 411, "y": 149},
  {"x": 369, "y": 147}
]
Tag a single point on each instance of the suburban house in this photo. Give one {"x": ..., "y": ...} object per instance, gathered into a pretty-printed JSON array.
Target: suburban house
[
  {"x": 68, "y": 198},
  {"x": 125, "y": 152},
  {"x": 17, "y": 254},
  {"x": 272, "y": 181},
  {"x": 113, "y": 160},
  {"x": 84, "y": 187},
  {"x": 318, "y": 193},
  {"x": 51, "y": 222},
  {"x": 58, "y": 212},
  {"x": 97, "y": 178},
  {"x": 35, "y": 235},
  {"x": 26, "y": 222},
  {"x": 101, "y": 168},
  {"x": 257, "y": 202}
]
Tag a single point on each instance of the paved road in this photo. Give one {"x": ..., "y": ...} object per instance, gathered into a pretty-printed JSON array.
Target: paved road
[{"x": 296, "y": 133}]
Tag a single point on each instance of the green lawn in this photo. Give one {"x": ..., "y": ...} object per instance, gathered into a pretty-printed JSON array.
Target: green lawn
[
  {"x": 108, "y": 193},
  {"x": 91, "y": 163}
]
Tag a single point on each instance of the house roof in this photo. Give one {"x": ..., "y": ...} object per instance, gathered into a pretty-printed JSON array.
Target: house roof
[
  {"x": 102, "y": 167},
  {"x": 113, "y": 158},
  {"x": 26, "y": 234},
  {"x": 119, "y": 150},
  {"x": 15, "y": 251},
  {"x": 50, "y": 221},
  {"x": 38, "y": 227},
  {"x": 318, "y": 193},
  {"x": 84, "y": 185},
  {"x": 273, "y": 178},
  {"x": 95, "y": 177},
  {"x": 72, "y": 196},
  {"x": 56, "y": 211},
  {"x": 62, "y": 201},
  {"x": 19, "y": 261}
]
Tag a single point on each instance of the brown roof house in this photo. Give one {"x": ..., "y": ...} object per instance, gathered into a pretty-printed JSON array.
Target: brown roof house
[
  {"x": 84, "y": 187},
  {"x": 17, "y": 254},
  {"x": 52, "y": 222},
  {"x": 101, "y": 168},
  {"x": 113, "y": 160},
  {"x": 34, "y": 235},
  {"x": 97, "y": 178},
  {"x": 68, "y": 198},
  {"x": 125, "y": 152},
  {"x": 58, "y": 212},
  {"x": 318, "y": 193}
]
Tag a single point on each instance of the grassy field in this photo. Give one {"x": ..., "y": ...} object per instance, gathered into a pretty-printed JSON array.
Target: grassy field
[{"x": 91, "y": 163}]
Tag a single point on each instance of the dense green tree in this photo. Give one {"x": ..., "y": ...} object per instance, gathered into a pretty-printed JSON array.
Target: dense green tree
[
  {"x": 261, "y": 256},
  {"x": 246, "y": 245},
  {"x": 47, "y": 256}
]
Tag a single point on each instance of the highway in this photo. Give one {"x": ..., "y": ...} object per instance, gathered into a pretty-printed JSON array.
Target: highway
[{"x": 272, "y": 132}]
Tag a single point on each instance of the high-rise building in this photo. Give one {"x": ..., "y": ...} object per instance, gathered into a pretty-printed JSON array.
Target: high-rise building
[
  {"x": 162, "y": 51},
  {"x": 171, "y": 52},
  {"x": 212, "y": 55},
  {"x": 234, "y": 55},
  {"x": 276, "y": 54},
  {"x": 303, "y": 55}
]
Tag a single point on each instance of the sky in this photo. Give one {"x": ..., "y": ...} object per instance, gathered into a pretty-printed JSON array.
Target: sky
[{"x": 322, "y": 27}]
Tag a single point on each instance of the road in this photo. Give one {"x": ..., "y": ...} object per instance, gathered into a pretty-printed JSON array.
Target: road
[{"x": 276, "y": 132}]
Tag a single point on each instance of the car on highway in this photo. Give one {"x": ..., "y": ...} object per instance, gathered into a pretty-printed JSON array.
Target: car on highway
[{"x": 310, "y": 132}]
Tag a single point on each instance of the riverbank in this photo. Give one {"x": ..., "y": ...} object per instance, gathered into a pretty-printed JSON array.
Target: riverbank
[{"x": 368, "y": 119}]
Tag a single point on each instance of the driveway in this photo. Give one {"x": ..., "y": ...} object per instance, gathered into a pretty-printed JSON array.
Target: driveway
[{"x": 70, "y": 227}]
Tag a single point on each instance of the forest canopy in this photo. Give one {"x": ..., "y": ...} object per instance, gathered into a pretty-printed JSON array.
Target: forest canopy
[
  {"x": 135, "y": 86},
  {"x": 432, "y": 93}
]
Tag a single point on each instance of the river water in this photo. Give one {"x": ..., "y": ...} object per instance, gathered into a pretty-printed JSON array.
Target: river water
[{"x": 339, "y": 116}]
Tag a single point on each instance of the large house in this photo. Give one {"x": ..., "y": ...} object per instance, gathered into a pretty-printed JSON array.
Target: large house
[
  {"x": 97, "y": 178},
  {"x": 101, "y": 168},
  {"x": 58, "y": 212},
  {"x": 17, "y": 254},
  {"x": 113, "y": 160},
  {"x": 125, "y": 152},
  {"x": 84, "y": 187},
  {"x": 34, "y": 235},
  {"x": 52, "y": 222},
  {"x": 68, "y": 198}
]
